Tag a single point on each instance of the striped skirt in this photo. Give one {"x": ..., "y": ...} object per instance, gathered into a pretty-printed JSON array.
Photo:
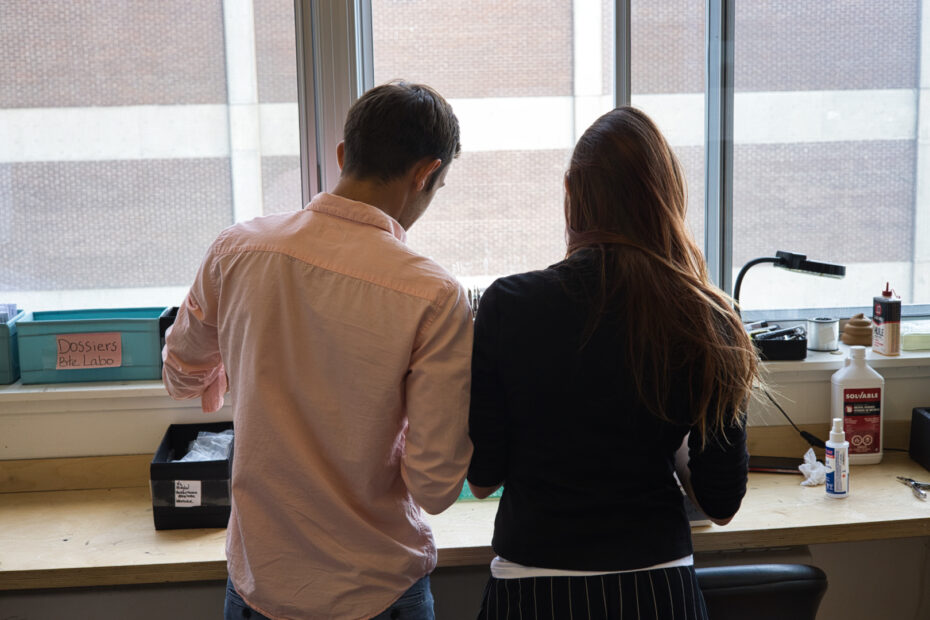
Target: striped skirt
[{"x": 662, "y": 594}]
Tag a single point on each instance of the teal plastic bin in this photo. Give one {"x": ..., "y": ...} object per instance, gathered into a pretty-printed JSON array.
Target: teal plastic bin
[
  {"x": 466, "y": 496},
  {"x": 68, "y": 346},
  {"x": 9, "y": 350}
]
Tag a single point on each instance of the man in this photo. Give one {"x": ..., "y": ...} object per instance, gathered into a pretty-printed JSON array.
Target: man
[{"x": 348, "y": 359}]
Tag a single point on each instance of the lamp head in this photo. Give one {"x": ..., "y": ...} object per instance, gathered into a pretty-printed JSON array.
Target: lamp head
[{"x": 799, "y": 262}]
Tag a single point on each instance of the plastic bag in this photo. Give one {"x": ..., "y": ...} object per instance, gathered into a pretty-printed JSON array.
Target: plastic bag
[{"x": 208, "y": 447}]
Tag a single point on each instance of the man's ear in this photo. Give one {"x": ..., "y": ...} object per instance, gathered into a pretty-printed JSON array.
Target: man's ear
[
  {"x": 423, "y": 171},
  {"x": 340, "y": 153}
]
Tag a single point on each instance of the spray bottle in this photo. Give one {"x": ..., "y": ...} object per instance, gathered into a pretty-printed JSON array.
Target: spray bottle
[
  {"x": 837, "y": 461},
  {"x": 858, "y": 398}
]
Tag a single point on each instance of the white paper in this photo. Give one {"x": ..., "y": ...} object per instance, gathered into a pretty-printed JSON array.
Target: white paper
[{"x": 186, "y": 493}]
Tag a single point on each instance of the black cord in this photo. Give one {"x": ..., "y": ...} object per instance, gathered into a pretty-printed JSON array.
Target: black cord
[
  {"x": 742, "y": 272},
  {"x": 809, "y": 437}
]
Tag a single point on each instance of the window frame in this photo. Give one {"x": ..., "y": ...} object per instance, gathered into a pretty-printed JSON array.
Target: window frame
[
  {"x": 718, "y": 146},
  {"x": 335, "y": 65}
]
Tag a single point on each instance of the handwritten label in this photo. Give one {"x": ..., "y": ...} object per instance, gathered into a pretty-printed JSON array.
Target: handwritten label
[
  {"x": 98, "y": 350},
  {"x": 186, "y": 493}
]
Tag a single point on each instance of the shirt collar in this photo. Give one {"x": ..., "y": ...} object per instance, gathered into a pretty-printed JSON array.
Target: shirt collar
[{"x": 355, "y": 211}]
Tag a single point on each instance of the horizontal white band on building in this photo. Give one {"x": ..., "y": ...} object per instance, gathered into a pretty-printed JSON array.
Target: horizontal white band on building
[{"x": 488, "y": 124}]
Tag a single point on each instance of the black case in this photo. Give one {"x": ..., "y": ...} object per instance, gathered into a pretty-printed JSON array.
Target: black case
[
  {"x": 214, "y": 478},
  {"x": 781, "y": 350},
  {"x": 920, "y": 436}
]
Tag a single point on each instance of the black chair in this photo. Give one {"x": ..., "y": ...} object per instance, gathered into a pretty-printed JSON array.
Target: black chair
[{"x": 762, "y": 591}]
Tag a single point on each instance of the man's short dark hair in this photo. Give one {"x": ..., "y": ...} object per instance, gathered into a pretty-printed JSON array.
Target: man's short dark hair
[{"x": 393, "y": 126}]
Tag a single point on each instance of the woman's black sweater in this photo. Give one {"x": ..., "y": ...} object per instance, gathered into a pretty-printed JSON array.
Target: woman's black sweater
[{"x": 587, "y": 470}]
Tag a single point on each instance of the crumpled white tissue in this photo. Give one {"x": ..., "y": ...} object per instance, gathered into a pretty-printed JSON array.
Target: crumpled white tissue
[{"x": 814, "y": 471}]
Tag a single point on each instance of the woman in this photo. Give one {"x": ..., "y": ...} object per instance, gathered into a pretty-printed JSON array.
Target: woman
[{"x": 589, "y": 377}]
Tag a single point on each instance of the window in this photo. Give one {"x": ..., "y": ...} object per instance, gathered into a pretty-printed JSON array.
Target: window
[
  {"x": 827, "y": 160},
  {"x": 525, "y": 78},
  {"x": 131, "y": 133},
  {"x": 667, "y": 80},
  {"x": 824, "y": 158}
]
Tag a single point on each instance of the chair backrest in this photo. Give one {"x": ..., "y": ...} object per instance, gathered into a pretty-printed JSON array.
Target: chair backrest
[{"x": 762, "y": 591}]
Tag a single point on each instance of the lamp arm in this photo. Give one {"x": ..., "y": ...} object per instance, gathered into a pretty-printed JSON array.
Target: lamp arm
[{"x": 742, "y": 272}]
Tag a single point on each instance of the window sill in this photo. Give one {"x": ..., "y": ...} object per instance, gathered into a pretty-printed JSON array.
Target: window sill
[
  {"x": 822, "y": 360},
  {"x": 91, "y": 419},
  {"x": 18, "y": 398},
  {"x": 17, "y": 392},
  {"x": 130, "y": 417},
  {"x": 104, "y": 395}
]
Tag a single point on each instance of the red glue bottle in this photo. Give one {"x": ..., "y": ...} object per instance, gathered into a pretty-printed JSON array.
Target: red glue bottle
[{"x": 886, "y": 323}]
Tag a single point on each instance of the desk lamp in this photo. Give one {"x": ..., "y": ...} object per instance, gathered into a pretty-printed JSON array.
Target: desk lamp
[{"x": 793, "y": 262}]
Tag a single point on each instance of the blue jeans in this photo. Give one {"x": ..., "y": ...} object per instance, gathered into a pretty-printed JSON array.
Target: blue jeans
[{"x": 415, "y": 604}]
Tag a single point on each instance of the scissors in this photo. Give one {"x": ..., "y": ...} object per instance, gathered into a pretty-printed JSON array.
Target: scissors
[{"x": 918, "y": 488}]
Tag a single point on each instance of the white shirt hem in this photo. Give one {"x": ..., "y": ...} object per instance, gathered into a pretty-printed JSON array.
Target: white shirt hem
[{"x": 505, "y": 569}]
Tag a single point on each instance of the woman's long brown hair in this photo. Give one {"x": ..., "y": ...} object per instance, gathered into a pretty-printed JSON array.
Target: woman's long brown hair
[{"x": 625, "y": 199}]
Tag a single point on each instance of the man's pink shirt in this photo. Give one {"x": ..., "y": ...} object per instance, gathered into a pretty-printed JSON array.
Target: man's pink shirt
[{"x": 348, "y": 361}]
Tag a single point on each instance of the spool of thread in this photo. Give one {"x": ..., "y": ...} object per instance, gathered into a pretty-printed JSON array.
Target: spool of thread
[{"x": 823, "y": 334}]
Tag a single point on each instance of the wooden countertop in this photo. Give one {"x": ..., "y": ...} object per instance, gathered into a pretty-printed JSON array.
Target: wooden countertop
[{"x": 99, "y": 537}]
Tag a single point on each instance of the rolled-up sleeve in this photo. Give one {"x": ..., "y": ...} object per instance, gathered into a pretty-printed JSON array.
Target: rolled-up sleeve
[
  {"x": 193, "y": 366},
  {"x": 487, "y": 423},
  {"x": 437, "y": 394},
  {"x": 719, "y": 471}
]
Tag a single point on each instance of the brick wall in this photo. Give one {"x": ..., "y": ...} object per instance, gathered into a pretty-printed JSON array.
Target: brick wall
[
  {"x": 107, "y": 53},
  {"x": 499, "y": 212},
  {"x": 276, "y": 57},
  {"x": 476, "y": 48},
  {"x": 667, "y": 46},
  {"x": 846, "y": 201},
  {"x": 828, "y": 44},
  {"x": 281, "y": 184},
  {"x": 112, "y": 223}
]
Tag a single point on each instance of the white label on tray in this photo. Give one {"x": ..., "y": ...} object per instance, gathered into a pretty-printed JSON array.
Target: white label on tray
[
  {"x": 186, "y": 493},
  {"x": 97, "y": 350}
]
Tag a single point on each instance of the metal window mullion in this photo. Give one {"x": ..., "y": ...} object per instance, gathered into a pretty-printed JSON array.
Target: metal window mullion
[
  {"x": 364, "y": 46},
  {"x": 306, "y": 102},
  {"x": 334, "y": 81},
  {"x": 623, "y": 90},
  {"x": 335, "y": 66},
  {"x": 718, "y": 120}
]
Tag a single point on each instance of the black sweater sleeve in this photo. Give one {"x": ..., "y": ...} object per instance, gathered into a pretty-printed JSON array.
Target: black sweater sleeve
[
  {"x": 719, "y": 470},
  {"x": 487, "y": 423}
]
